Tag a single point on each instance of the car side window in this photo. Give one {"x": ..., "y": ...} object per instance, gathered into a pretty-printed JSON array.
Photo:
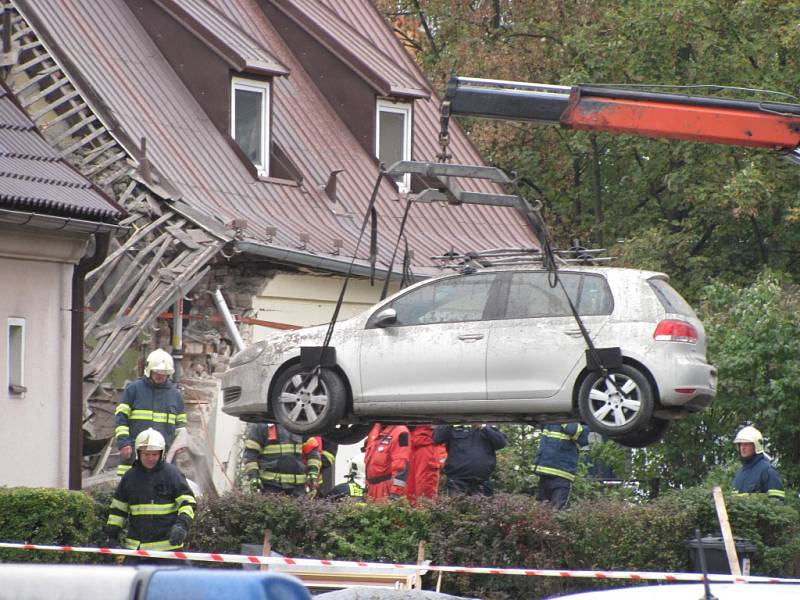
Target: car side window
[
  {"x": 451, "y": 300},
  {"x": 530, "y": 295}
]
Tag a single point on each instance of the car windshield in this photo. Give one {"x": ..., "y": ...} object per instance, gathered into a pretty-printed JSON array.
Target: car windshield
[{"x": 671, "y": 300}]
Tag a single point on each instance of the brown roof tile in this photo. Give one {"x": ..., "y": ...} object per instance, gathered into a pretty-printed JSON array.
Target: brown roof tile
[
  {"x": 34, "y": 178},
  {"x": 216, "y": 30},
  {"x": 120, "y": 61}
]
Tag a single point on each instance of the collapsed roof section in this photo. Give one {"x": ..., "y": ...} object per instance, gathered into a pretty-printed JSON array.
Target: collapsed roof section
[
  {"x": 35, "y": 179},
  {"x": 288, "y": 220}
]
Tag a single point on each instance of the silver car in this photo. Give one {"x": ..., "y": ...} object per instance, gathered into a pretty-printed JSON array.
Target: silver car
[{"x": 494, "y": 344}]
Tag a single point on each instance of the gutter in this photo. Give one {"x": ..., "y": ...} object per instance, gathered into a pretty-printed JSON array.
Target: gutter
[
  {"x": 334, "y": 265},
  {"x": 86, "y": 264},
  {"x": 54, "y": 223}
]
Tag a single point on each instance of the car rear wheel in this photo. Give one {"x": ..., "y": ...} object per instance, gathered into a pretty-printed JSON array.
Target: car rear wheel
[
  {"x": 309, "y": 402},
  {"x": 348, "y": 434},
  {"x": 618, "y": 405},
  {"x": 648, "y": 436}
]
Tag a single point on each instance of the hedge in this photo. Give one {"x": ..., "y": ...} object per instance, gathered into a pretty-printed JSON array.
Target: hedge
[{"x": 506, "y": 530}]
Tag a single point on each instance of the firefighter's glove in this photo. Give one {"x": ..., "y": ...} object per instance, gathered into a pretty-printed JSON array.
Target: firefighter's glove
[
  {"x": 255, "y": 484},
  {"x": 311, "y": 490},
  {"x": 177, "y": 534},
  {"x": 112, "y": 537}
]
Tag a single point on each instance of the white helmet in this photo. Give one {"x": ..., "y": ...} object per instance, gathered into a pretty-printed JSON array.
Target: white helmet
[
  {"x": 150, "y": 439},
  {"x": 751, "y": 435},
  {"x": 160, "y": 361}
]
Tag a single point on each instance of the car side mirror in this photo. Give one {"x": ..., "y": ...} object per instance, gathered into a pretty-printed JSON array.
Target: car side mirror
[{"x": 386, "y": 317}]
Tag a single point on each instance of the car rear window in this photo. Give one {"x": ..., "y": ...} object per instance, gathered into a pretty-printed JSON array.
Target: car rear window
[
  {"x": 671, "y": 300},
  {"x": 530, "y": 295}
]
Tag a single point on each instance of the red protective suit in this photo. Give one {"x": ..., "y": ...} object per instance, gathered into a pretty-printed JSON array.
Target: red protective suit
[
  {"x": 426, "y": 462},
  {"x": 387, "y": 452}
]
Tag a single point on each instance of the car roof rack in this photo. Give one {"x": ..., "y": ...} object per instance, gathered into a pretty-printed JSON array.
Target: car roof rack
[{"x": 498, "y": 257}]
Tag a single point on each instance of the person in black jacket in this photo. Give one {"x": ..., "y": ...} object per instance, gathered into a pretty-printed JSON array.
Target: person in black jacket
[
  {"x": 470, "y": 457},
  {"x": 154, "y": 499}
]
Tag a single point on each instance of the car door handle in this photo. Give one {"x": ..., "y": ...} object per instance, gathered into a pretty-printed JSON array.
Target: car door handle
[
  {"x": 470, "y": 337},
  {"x": 576, "y": 332}
]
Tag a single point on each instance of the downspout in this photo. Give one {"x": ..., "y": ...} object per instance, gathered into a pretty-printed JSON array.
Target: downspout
[{"x": 86, "y": 264}]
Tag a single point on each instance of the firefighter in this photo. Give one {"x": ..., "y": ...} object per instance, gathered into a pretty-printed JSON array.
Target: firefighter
[
  {"x": 756, "y": 475},
  {"x": 426, "y": 462},
  {"x": 471, "y": 457},
  {"x": 327, "y": 473},
  {"x": 152, "y": 401},
  {"x": 557, "y": 461},
  {"x": 155, "y": 500},
  {"x": 387, "y": 452},
  {"x": 350, "y": 489},
  {"x": 277, "y": 460}
]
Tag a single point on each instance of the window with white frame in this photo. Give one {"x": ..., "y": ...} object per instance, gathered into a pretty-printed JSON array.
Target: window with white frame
[
  {"x": 393, "y": 137},
  {"x": 250, "y": 100},
  {"x": 16, "y": 356}
]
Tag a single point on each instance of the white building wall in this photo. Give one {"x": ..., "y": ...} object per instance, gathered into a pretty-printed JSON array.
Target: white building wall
[{"x": 36, "y": 270}]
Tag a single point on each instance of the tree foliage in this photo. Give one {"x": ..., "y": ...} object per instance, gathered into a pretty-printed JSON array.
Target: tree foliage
[{"x": 702, "y": 213}]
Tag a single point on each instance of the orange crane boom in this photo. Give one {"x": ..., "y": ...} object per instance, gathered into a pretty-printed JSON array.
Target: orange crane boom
[{"x": 774, "y": 125}]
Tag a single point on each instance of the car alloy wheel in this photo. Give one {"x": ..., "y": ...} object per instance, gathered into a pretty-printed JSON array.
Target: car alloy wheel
[
  {"x": 616, "y": 405},
  {"x": 308, "y": 402}
]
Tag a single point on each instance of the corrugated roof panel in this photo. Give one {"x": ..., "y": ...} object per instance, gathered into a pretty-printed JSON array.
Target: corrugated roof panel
[
  {"x": 117, "y": 57},
  {"x": 255, "y": 56},
  {"x": 33, "y": 177},
  {"x": 325, "y": 25}
]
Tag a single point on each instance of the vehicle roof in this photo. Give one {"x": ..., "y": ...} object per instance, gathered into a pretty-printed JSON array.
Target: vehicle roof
[
  {"x": 600, "y": 269},
  {"x": 695, "y": 591}
]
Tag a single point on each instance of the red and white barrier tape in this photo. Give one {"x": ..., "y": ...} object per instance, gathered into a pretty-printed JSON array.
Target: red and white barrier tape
[{"x": 400, "y": 568}]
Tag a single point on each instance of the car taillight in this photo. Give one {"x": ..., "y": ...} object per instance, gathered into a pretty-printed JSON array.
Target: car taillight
[{"x": 670, "y": 330}]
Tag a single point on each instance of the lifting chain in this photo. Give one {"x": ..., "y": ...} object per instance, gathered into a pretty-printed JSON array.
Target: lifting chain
[{"x": 444, "y": 135}]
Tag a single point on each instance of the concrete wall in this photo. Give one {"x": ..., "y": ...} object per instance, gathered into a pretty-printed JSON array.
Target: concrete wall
[{"x": 36, "y": 269}]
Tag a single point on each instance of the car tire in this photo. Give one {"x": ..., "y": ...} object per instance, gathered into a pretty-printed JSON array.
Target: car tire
[
  {"x": 654, "y": 432},
  {"x": 314, "y": 410},
  {"x": 616, "y": 408},
  {"x": 348, "y": 434}
]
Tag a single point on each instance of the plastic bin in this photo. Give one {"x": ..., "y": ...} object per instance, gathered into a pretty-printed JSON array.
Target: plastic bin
[{"x": 716, "y": 558}]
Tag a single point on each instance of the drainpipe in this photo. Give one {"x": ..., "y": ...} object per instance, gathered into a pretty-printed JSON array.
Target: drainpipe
[
  {"x": 222, "y": 307},
  {"x": 86, "y": 264},
  {"x": 177, "y": 339}
]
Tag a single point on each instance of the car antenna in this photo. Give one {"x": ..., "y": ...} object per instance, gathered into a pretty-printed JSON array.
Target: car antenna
[{"x": 707, "y": 595}]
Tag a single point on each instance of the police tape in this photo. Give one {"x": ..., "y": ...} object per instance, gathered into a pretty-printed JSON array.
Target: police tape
[{"x": 360, "y": 566}]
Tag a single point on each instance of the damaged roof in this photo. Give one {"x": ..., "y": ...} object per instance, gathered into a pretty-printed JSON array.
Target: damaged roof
[
  {"x": 295, "y": 221},
  {"x": 35, "y": 179}
]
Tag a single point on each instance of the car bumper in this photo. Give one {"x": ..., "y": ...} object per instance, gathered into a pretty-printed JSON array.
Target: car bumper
[
  {"x": 692, "y": 383},
  {"x": 244, "y": 391}
]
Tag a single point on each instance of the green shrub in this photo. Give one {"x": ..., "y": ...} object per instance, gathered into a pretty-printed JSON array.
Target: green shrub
[
  {"x": 507, "y": 530},
  {"x": 49, "y": 517}
]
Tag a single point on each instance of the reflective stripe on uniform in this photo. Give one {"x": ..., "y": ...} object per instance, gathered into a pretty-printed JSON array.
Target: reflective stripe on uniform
[
  {"x": 119, "y": 505},
  {"x": 159, "y": 545},
  {"x": 155, "y": 417},
  {"x": 554, "y": 472},
  {"x": 181, "y": 419},
  {"x": 122, "y": 431},
  {"x": 115, "y": 520},
  {"x": 122, "y": 469},
  {"x": 138, "y": 510},
  {"x": 282, "y": 449},
  {"x": 776, "y": 494},
  {"x": 557, "y": 435},
  {"x": 355, "y": 489},
  {"x": 329, "y": 456},
  {"x": 252, "y": 445},
  {"x": 122, "y": 408},
  {"x": 289, "y": 478}
]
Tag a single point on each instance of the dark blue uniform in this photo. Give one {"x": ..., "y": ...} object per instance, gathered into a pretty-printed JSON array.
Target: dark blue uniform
[
  {"x": 470, "y": 457},
  {"x": 557, "y": 460},
  {"x": 758, "y": 476}
]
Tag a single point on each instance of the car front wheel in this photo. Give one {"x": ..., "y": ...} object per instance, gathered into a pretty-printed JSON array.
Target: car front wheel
[
  {"x": 308, "y": 402},
  {"x": 617, "y": 405}
]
